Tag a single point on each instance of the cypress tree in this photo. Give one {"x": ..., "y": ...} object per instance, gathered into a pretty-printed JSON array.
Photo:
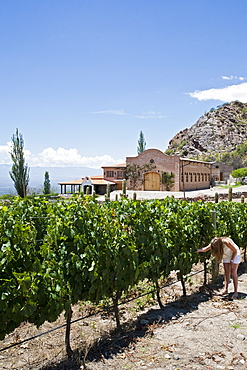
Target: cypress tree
[
  {"x": 20, "y": 171},
  {"x": 47, "y": 184},
  {"x": 141, "y": 144}
]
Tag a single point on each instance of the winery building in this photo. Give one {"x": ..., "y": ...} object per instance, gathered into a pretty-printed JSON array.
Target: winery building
[{"x": 153, "y": 170}]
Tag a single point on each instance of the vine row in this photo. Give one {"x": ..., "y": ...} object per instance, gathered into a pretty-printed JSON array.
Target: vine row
[{"x": 53, "y": 255}]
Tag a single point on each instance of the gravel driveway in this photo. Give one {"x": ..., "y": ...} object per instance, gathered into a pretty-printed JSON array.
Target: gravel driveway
[{"x": 179, "y": 194}]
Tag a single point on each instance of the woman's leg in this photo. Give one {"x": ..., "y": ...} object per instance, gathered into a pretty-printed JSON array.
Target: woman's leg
[
  {"x": 234, "y": 273},
  {"x": 227, "y": 270}
]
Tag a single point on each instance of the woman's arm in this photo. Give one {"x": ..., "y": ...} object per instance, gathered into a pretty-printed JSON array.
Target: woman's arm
[{"x": 205, "y": 249}]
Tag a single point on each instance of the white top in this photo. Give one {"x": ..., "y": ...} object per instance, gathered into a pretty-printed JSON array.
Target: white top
[{"x": 227, "y": 252}]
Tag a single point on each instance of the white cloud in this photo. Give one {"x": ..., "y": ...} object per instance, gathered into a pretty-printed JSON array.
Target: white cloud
[
  {"x": 60, "y": 157},
  {"x": 118, "y": 112},
  {"x": 5, "y": 157},
  {"x": 4, "y": 153},
  {"x": 152, "y": 114},
  {"x": 121, "y": 112},
  {"x": 233, "y": 78},
  {"x": 226, "y": 94},
  {"x": 71, "y": 157}
]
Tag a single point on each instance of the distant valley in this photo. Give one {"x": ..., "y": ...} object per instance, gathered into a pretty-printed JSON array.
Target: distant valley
[{"x": 56, "y": 174}]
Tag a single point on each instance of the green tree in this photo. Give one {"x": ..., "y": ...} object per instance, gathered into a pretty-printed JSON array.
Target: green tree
[
  {"x": 47, "y": 184},
  {"x": 141, "y": 144},
  {"x": 20, "y": 171},
  {"x": 168, "y": 180},
  {"x": 240, "y": 172}
]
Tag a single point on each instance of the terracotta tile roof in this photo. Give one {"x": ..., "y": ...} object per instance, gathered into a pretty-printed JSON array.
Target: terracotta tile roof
[
  {"x": 96, "y": 180},
  {"x": 73, "y": 182},
  {"x": 102, "y": 182},
  {"x": 122, "y": 165}
]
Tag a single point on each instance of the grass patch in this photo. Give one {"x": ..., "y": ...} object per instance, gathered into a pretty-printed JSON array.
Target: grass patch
[{"x": 231, "y": 186}]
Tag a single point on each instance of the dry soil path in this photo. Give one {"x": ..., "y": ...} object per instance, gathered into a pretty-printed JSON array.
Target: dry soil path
[{"x": 203, "y": 331}]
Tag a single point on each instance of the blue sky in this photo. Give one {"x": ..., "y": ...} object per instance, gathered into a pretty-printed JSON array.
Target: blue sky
[{"x": 81, "y": 78}]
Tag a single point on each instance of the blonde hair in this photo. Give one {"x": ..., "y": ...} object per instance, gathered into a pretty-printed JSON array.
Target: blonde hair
[{"x": 217, "y": 248}]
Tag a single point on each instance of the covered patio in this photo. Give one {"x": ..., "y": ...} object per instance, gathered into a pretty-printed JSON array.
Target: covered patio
[{"x": 94, "y": 183}]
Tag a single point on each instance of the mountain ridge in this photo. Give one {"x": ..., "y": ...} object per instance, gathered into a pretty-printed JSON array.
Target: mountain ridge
[{"x": 218, "y": 135}]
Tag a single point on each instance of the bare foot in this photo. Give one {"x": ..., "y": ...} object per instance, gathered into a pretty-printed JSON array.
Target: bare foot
[
  {"x": 235, "y": 296},
  {"x": 224, "y": 292}
]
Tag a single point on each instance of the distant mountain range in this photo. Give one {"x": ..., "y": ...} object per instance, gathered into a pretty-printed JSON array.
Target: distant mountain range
[{"x": 56, "y": 174}]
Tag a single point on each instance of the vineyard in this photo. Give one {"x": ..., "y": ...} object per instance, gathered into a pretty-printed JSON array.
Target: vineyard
[{"x": 54, "y": 255}]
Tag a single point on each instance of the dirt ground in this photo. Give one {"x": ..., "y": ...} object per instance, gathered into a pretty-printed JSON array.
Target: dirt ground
[{"x": 202, "y": 331}]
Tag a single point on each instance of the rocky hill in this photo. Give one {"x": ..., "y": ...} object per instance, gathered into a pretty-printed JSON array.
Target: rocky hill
[{"x": 220, "y": 135}]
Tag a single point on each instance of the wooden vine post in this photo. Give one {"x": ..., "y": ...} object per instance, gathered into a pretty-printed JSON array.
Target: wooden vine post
[
  {"x": 230, "y": 194},
  {"x": 124, "y": 195},
  {"x": 216, "y": 197},
  {"x": 215, "y": 264},
  {"x": 107, "y": 194}
]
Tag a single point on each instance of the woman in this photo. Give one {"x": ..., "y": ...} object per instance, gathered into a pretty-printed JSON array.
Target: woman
[{"x": 224, "y": 249}]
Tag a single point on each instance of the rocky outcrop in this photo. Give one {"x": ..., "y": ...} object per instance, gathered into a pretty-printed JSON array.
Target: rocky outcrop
[{"x": 217, "y": 132}]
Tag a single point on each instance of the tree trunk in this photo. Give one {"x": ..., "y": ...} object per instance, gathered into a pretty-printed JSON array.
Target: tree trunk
[
  {"x": 205, "y": 273},
  {"x": 158, "y": 295},
  {"x": 116, "y": 310},
  {"x": 67, "y": 334}
]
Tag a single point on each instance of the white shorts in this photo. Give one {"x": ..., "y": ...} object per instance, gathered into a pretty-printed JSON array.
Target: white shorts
[{"x": 236, "y": 260}]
